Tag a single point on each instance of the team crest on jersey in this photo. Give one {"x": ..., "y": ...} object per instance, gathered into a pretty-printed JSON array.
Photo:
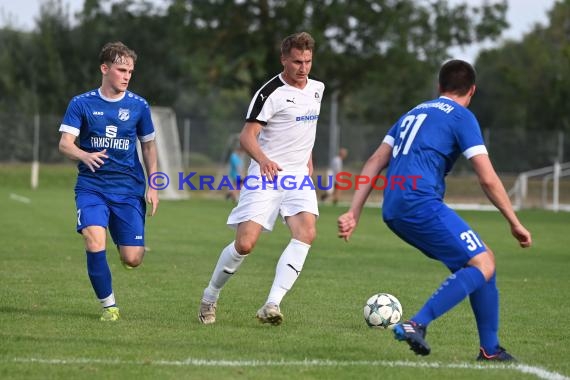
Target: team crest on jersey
[{"x": 124, "y": 114}]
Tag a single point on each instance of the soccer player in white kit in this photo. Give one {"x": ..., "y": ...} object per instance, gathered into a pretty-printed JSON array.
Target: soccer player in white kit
[{"x": 279, "y": 135}]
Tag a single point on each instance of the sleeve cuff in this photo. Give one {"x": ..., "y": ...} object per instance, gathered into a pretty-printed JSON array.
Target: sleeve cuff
[
  {"x": 474, "y": 151},
  {"x": 147, "y": 138},
  {"x": 69, "y": 129},
  {"x": 389, "y": 140}
]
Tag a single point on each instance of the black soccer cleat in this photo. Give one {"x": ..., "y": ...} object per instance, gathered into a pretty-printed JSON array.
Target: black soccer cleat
[
  {"x": 500, "y": 356},
  {"x": 414, "y": 334}
]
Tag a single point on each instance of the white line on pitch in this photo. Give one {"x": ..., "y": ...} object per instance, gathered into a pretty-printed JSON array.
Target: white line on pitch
[
  {"x": 20, "y": 198},
  {"x": 541, "y": 373}
]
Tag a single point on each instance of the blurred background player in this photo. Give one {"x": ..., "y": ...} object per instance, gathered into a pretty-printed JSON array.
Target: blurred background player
[
  {"x": 235, "y": 172},
  {"x": 425, "y": 143},
  {"x": 279, "y": 135},
  {"x": 110, "y": 186},
  {"x": 336, "y": 167}
]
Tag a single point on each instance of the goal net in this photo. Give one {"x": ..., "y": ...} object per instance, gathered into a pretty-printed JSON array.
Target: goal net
[{"x": 168, "y": 150}]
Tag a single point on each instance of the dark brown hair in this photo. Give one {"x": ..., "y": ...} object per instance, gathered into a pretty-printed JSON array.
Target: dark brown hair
[{"x": 456, "y": 77}]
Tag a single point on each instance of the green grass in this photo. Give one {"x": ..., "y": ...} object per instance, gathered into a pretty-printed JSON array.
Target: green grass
[{"x": 49, "y": 324}]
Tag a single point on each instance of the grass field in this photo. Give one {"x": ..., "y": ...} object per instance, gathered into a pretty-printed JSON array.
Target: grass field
[{"x": 49, "y": 324}]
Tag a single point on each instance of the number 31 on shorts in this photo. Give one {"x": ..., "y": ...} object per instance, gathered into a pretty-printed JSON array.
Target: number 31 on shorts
[{"x": 471, "y": 239}]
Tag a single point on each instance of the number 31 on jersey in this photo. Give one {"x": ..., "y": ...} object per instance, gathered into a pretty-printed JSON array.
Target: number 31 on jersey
[{"x": 413, "y": 123}]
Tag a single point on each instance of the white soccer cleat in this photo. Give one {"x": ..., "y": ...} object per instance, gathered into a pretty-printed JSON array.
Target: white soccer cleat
[
  {"x": 207, "y": 314},
  {"x": 270, "y": 313}
]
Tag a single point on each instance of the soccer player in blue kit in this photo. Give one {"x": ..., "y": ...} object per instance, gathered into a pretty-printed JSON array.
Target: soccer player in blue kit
[
  {"x": 419, "y": 150},
  {"x": 110, "y": 187}
]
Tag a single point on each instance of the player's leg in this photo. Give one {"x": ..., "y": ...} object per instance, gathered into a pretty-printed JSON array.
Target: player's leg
[
  {"x": 234, "y": 192},
  {"x": 228, "y": 263},
  {"x": 289, "y": 266},
  {"x": 485, "y": 305},
  {"x": 336, "y": 195},
  {"x": 131, "y": 256},
  {"x": 255, "y": 212},
  {"x": 126, "y": 225},
  {"x": 98, "y": 269},
  {"x": 92, "y": 219},
  {"x": 455, "y": 288},
  {"x": 299, "y": 209},
  {"x": 231, "y": 258},
  {"x": 444, "y": 236}
]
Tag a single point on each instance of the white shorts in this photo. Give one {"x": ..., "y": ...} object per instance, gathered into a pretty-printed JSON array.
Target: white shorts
[{"x": 261, "y": 201}]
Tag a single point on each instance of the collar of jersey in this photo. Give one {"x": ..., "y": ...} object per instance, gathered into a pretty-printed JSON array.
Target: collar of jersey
[{"x": 109, "y": 99}]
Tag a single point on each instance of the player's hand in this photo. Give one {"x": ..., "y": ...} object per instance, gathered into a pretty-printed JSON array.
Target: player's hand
[
  {"x": 522, "y": 235},
  {"x": 269, "y": 169},
  {"x": 152, "y": 198},
  {"x": 346, "y": 225},
  {"x": 94, "y": 160}
]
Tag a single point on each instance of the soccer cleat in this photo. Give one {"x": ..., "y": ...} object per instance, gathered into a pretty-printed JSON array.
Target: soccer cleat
[
  {"x": 110, "y": 314},
  {"x": 207, "y": 314},
  {"x": 500, "y": 356},
  {"x": 414, "y": 334},
  {"x": 270, "y": 313}
]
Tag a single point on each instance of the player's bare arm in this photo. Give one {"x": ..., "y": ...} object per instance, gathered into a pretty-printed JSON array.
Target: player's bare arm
[
  {"x": 151, "y": 165},
  {"x": 374, "y": 165},
  {"x": 248, "y": 140},
  {"x": 496, "y": 193},
  {"x": 92, "y": 160},
  {"x": 310, "y": 165}
]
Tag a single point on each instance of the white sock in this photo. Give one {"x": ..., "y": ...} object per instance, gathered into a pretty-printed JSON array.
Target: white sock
[
  {"x": 227, "y": 265},
  {"x": 288, "y": 269},
  {"x": 108, "y": 301}
]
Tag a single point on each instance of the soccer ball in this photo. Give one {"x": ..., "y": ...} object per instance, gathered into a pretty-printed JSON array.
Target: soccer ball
[{"x": 382, "y": 310}]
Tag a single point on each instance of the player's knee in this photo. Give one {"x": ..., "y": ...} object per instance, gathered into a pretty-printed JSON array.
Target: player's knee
[
  {"x": 133, "y": 260},
  {"x": 132, "y": 256},
  {"x": 93, "y": 242},
  {"x": 307, "y": 236},
  {"x": 488, "y": 272},
  {"x": 244, "y": 246},
  {"x": 485, "y": 262}
]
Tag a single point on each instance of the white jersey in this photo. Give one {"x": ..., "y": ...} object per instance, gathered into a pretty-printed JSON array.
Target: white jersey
[{"x": 289, "y": 117}]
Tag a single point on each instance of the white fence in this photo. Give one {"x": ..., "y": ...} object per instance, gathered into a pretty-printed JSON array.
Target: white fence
[{"x": 549, "y": 173}]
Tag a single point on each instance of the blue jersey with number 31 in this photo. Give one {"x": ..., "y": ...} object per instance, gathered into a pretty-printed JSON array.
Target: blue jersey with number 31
[
  {"x": 426, "y": 142},
  {"x": 114, "y": 125}
]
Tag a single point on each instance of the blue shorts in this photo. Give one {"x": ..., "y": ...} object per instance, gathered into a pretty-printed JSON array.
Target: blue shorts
[
  {"x": 440, "y": 234},
  {"x": 123, "y": 214}
]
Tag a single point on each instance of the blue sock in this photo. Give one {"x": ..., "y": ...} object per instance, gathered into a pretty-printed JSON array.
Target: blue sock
[
  {"x": 485, "y": 305},
  {"x": 453, "y": 290},
  {"x": 99, "y": 274}
]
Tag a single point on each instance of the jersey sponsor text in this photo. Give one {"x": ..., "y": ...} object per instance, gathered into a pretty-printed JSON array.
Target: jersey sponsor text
[{"x": 105, "y": 142}]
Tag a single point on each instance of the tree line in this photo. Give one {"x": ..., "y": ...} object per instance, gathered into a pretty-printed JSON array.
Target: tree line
[{"x": 205, "y": 58}]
